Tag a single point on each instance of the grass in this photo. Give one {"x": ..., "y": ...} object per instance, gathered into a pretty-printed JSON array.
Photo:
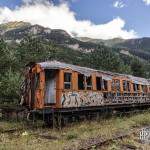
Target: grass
[{"x": 54, "y": 139}]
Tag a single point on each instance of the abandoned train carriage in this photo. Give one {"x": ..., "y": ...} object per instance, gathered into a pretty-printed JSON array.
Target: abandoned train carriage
[{"x": 56, "y": 85}]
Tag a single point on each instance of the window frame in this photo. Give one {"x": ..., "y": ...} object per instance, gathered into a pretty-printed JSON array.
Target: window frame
[
  {"x": 100, "y": 83},
  {"x": 136, "y": 87},
  {"x": 86, "y": 86},
  {"x": 126, "y": 86},
  {"x": 103, "y": 85},
  {"x": 90, "y": 85},
  {"x": 67, "y": 83},
  {"x": 114, "y": 85},
  {"x": 144, "y": 88},
  {"x": 82, "y": 83}
]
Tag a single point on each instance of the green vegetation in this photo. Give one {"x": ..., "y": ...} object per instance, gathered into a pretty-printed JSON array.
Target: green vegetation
[{"x": 15, "y": 56}]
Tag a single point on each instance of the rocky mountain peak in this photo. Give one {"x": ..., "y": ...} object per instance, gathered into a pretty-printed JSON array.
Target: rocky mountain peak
[{"x": 13, "y": 25}]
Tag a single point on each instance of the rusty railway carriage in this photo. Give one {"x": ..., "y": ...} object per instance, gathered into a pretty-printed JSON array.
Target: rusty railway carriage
[{"x": 58, "y": 88}]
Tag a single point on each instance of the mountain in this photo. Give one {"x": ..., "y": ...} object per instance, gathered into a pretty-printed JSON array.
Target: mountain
[
  {"x": 139, "y": 43},
  {"x": 17, "y": 31},
  {"x": 138, "y": 47}
]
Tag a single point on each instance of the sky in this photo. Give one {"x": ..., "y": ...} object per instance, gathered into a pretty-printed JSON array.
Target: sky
[{"x": 99, "y": 19}]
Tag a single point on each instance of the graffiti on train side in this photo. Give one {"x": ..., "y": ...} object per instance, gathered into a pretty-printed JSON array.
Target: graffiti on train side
[{"x": 81, "y": 99}]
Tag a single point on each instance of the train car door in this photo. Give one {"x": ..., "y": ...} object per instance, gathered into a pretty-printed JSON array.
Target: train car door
[{"x": 50, "y": 87}]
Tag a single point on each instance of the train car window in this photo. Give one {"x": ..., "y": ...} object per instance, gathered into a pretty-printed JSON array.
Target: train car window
[
  {"x": 99, "y": 83},
  {"x": 113, "y": 85},
  {"x": 67, "y": 80},
  {"x": 117, "y": 85},
  {"x": 89, "y": 83},
  {"x": 81, "y": 82},
  {"x": 136, "y": 87},
  {"x": 144, "y": 88},
  {"x": 126, "y": 86},
  {"x": 37, "y": 80},
  {"x": 105, "y": 85}
]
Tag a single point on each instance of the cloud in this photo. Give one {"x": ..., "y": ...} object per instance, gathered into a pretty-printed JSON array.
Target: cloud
[
  {"x": 27, "y": 2},
  {"x": 61, "y": 17},
  {"x": 147, "y": 2},
  {"x": 119, "y": 4},
  {"x": 73, "y": 1}
]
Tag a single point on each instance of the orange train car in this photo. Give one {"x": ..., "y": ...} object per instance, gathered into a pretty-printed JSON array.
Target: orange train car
[{"x": 54, "y": 85}]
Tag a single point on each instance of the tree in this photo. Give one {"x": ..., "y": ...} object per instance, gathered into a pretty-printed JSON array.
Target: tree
[
  {"x": 137, "y": 68},
  {"x": 9, "y": 87},
  {"x": 104, "y": 58}
]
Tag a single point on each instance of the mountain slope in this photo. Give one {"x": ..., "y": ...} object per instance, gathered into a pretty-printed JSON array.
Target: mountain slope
[
  {"x": 110, "y": 42},
  {"x": 141, "y": 43},
  {"x": 137, "y": 47}
]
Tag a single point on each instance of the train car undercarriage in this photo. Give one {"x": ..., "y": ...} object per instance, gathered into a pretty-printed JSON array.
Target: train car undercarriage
[{"x": 61, "y": 117}]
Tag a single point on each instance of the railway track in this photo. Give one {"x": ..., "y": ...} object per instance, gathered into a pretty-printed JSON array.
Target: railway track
[
  {"x": 97, "y": 142},
  {"x": 100, "y": 141}
]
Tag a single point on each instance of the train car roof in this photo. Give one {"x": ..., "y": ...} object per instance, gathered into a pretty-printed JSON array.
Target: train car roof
[
  {"x": 61, "y": 65},
  {"x": 88, "y": 71}
]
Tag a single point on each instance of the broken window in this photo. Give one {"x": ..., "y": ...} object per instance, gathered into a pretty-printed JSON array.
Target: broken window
[
  {"x": 81, "y": 82},
  {"x": 113, "y": 85},
  {"x": 144, "y": 88},
  {"x": 67, "y": 80},
  {"x": 118, "y": 85},
  {"x": 37, "y": 80},
  {"x": 136, "y": 87},
  {"x": 99, "y": 83},
  {"x": 89, "y": 83},
  {"x": 105, "y": 85},
  {"x": 126, "y": 86}
]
